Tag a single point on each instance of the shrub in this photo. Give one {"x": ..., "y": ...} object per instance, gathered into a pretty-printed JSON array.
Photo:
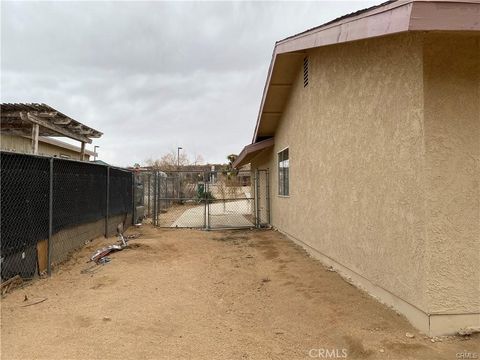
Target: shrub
[{"x": 205, "y": 196}]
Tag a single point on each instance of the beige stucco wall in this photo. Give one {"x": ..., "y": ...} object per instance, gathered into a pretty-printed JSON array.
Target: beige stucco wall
[
  {"x": 452, "y": 141},
  {"x": 24, "y": 145},
  {"x": 358, "y": 166}
]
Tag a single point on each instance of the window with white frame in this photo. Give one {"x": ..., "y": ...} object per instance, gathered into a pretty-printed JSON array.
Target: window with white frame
[{"x": 283, "y": 173}]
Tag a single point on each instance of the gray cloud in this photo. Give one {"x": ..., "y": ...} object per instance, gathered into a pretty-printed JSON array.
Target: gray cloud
[{"x": 152, "y": 75}]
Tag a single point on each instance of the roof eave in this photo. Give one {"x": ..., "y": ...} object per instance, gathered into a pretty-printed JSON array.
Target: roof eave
[
  {"x": 64, "y": 145},
  {"x": 250, "y": 150},
  {"x": 396, "y": 17}
]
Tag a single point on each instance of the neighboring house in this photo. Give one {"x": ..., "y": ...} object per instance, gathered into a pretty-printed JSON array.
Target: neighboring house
[
  {"x": 244, "y": 176},
  {"x": 46, "y": 146},
  {"x": 188, "y": 171},
  {"x": 182, "y": 168},
  {"x": 370, "y": 126},
  {"x": 32, "y": 128}
]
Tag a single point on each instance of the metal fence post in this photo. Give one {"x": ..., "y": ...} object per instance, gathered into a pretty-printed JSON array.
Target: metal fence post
[
  {"x": 159, "y": 195},
  {"x": 107, "y": 202},
  {"x": 148, "y": 196},
  {"x": 206, "y": 199},
  {"x": 207, "y": 214},
  {"x": 155, "y": 198},
  {"x": 50, "y": 221},
  {"x": 267, "y": 179},
  {"x": 134, "y": 207},
  {"x": 256, "y": 198}
]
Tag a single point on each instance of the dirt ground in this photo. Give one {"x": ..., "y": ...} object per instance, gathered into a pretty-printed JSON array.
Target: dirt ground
[{"x": 191, "y": 294}]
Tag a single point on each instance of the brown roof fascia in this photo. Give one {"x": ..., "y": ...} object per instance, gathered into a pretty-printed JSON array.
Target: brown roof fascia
[
  {"x": 459, "y": 15},
  {"x": 250, "y": 150}
]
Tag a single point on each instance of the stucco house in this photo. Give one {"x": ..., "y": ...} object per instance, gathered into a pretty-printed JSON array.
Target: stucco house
[
  {"x": 46, "y": 146},
  {"x": 370, "y": 128}
]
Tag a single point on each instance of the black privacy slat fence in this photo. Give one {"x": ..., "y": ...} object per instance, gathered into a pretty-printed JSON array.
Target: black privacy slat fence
[
  {"x": 52, "y": 206},
  {"x": 79, "y": 193},
  {"x": 119, "y": 183}
]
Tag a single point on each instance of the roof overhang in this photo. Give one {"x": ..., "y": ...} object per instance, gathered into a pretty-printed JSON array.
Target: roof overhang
[
  {"x": 18, "y": 119},
  {"x": 252, "y": 150},
  {"x": 389, "y": 18},
  {"x": 64, "y": 145}
]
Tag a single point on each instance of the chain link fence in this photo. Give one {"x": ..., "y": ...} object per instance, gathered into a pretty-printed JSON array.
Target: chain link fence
[
  {"x": 51, "y": 207},
  {"x": 206, "y": 200},
  {"x": 24, "y": 184}
]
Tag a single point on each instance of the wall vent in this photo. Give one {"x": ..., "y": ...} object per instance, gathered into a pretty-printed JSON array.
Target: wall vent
[{"x": 305, "y": 71}]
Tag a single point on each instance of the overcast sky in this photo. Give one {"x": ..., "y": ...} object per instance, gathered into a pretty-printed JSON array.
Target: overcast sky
[{"x": 152, "y": 75}]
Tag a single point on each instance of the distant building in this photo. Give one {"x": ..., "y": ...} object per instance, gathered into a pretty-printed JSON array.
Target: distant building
[
  {"x": 212, "y": 172},
  {"x": 46, "y": 146},
  {"x": 33, "y": 128}
]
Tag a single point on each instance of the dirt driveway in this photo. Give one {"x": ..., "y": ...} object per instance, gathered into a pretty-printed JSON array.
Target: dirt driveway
[{"x": 188, "y": 294}]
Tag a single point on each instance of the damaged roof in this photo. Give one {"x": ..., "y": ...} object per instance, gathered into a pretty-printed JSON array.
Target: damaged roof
[
  {"x": 18, "y": 119},
  {"x": 346, "y": 16}
]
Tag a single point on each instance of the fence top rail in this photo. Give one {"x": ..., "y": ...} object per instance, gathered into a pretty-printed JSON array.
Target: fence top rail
[
  {"x": 238, "y": 172},
  {"x": 160, "y": 171},
  {"x": 48, "y": 157},
  {"x": 179, "y": 171}
]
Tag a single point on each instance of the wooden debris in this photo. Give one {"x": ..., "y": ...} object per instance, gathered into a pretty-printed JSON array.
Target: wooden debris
[
  {"x": 35, "y": 302},
  {"x": 11, "y": 283}
]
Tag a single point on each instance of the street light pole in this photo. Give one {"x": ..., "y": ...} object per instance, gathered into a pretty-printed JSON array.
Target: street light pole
[{"x": 178, "y": 156}]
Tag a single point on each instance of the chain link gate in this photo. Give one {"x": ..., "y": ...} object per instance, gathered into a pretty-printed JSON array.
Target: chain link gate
[
  {"x": 181, "y": 199},
  {"x": 232, "y": 203},
  {"x": 206, "y": 199}
]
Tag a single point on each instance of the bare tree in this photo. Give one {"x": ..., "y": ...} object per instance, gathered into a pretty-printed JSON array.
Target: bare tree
[
  {"x": 169, "y": 161},
  {"x": 198, "y": 160},
  {"x": 178, "y": 184},
  {"x": 222, "y": 189},
  {"x": 227, "y": 184}
]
